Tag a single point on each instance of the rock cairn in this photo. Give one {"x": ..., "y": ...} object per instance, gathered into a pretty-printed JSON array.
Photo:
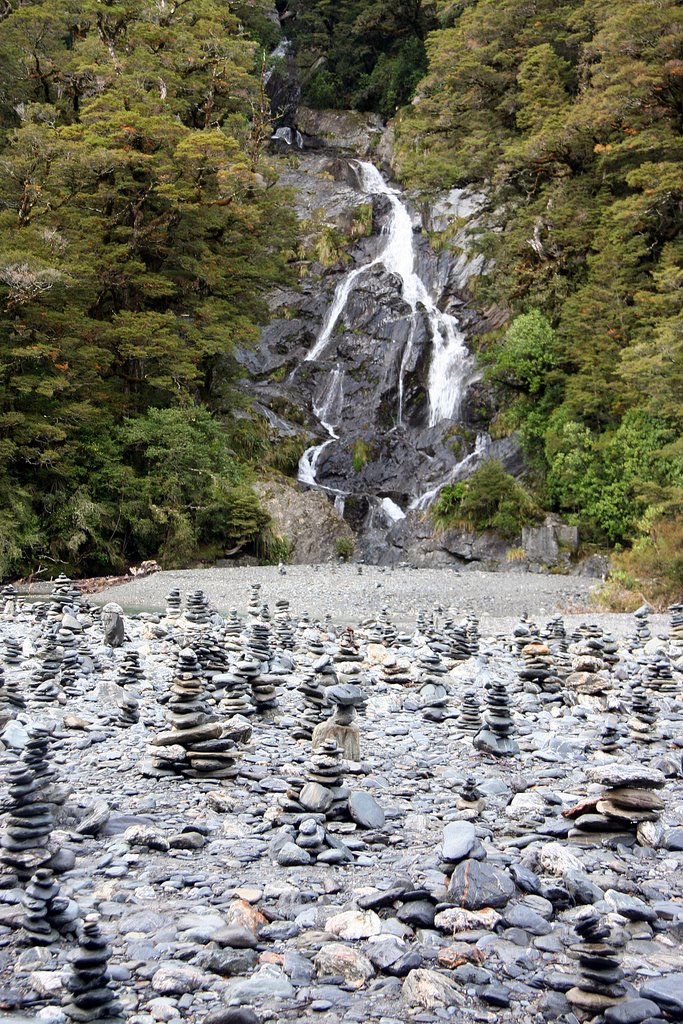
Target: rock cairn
[
  {"x": 470, "y": 720},
  {"x": 174, "y": 604},
  {"x": 130, "y": 670},
  {"x": 129, "y": 712},
  {"x": 676, "y": 624},
  {"x": 233, "y": 688},
  {"x": 25, "y": 844},
  {"x": 629, "y": 800},
  {"x": 47, "y": 914},
  {"x": 641, "y": 724},
  {"x": 195, "y": 745},
  {"x": 341, "y": 727},
  {"x": 600, "y": 983},
  {"x": 315, "y": 710},
  {"x": 658, "y": 675},
  {"x": 44, "y": 678},
  {"x": 197, "y": 611},
  {"x": 254, "y": 606},
  {"x": 538, "y": 673},
  {"x": 13, "y": 652},
  {"x": 495, "y": 738},
  {"x": 88, "y": 986},
  {"x": 323, "y": 791}
]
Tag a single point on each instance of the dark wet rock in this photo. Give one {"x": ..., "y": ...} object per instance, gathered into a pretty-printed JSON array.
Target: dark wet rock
[{"x": 476, "y": 884}]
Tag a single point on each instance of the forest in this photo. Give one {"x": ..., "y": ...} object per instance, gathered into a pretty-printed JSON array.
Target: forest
[{"x": 142, "y": 224}]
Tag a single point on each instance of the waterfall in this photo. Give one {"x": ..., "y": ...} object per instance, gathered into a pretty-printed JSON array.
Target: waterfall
[
  {"x": 481, "y": 448},
  {"x": 450, "y": 364},
  {"x": 328, "y": 409}
]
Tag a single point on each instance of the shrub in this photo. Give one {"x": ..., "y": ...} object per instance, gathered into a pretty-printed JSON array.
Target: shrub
[
  {"x": 489, "y": 499},
  {"x": 344, "y": 547}
]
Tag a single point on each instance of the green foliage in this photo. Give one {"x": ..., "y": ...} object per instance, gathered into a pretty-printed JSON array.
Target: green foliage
[
  {"x": 355, "y": 53},
  {"x": 527, "y": 353},
  {"x": 344, "y": 547},
  {"x": 490, "y": 499},
  {"x": 140, "y": 226},
  {"x": 569, "y": 121},
  {"x": 360, "y": 455}
]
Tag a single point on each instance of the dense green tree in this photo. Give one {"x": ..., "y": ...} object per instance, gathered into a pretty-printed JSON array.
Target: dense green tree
[{"x": 140, "y": 225}]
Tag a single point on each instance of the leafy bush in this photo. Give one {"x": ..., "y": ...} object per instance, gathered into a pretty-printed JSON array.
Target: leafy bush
[
  {"x": 344, "y": 547},
  {"x": 651, "y": 570},
  {"x": 360, "y": 456},
  {"x": 489, "y": 499}
]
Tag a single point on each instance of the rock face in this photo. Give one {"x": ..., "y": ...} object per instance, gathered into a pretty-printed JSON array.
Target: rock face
[
  {"x": 306, "y": 519},
  {"x": 374, "y": 383}
]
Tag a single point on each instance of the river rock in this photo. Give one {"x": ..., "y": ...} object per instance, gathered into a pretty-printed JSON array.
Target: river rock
[{"x": 475, "y": 884}]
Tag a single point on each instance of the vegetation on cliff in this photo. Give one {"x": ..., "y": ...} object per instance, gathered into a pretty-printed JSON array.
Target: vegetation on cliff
[
  {"x": 140, "y": 225},
  {"x": 568, "y": 117}
]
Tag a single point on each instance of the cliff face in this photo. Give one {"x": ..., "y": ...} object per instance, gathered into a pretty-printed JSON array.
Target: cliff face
[{"x": 368, "y": 360}]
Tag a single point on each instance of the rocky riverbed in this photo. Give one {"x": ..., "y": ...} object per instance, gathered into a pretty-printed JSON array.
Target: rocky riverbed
[{"x": 506, "y": 842}]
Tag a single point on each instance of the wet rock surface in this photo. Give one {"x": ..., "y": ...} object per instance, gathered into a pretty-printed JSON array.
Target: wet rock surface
[{"x": 421, "y": 879}]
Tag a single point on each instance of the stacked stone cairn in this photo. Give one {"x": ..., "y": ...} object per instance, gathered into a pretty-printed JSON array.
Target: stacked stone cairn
[
  {"x": 395, "y": 671},
  {"x": 610, "y": 738},
  {"x": 233, "y": 624},
  {"x": 555, "y": 633},
  {"x": 263, "y": 689},
  {"x": 32, "y": 806},
  {"x": 173, "y": 604},
  {"x": 130, "y": 670},
  {"x": 421, "y": 622},
  {"x": 11, "y": 700},
  {"x": 324, "y": 791},
  {"x": 600, "y": 983},
  {"x": 315, "y": 709},
  {"x": 658, "y": 674},
  {"x": 676, "y": 624},
  {"x": 44, "y": 685},
  {"x": 283, "y": 626},
  {"x": 473, "y": 635},
  {"x": 642, "y": 723},
  {"x": 470, "y": 720},
  {"x": 128, "y": 713},
  {"x": 8, "y": 600},
  {"x": 89, "y": 995},
  {"x": 348, "y": 648},
  {"x": 234, "y": 688},
  {"x": 525, "y": 632},
  {"x": 197, "y": 611},
  {"x": 495, "y": 738},
  {"x": 254, "y": 607},
  {"x": 65, "y": 595},
  {"x": 457, "y": 640},
  {"x": 341, "y": 727},
  {"x": 13, "y": 652},
  {"x": 589, "y": 675},
  {"x": 433, "y": 694},
  {"x": 195, "y": 745},
  {"x": 629, "y": 800},
  {"x": 47, "y": 914},
  {"x": 538, "y": 672}
]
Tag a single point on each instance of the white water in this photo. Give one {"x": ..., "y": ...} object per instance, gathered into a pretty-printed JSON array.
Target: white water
[
  {"x": 328, "y": 409},
  {"x": 449, "y": 364},
  {"x": 481, "y": 447}
]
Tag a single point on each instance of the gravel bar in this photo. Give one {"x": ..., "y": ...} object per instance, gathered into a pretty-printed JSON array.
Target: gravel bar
[{"x": 350, "y": 596}]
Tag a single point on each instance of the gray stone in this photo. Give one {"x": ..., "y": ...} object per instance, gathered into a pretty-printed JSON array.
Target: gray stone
[
  {"x": 315, "y": 798},
  {"x": 291, "y": 855},
  {"x": 666, "y": 992},
  {"x": 459, "y": 838},
  {"x": 365, "y": 810},
  {"x": 632, "y": 1011},
  {"x": 475, "y": 884}
]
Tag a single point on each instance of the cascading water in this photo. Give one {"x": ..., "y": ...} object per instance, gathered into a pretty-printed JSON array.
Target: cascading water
[
  {"x": 328, "y": 410},
  {"x": 450, "y": 368},
  {"x": 481, "y": 448},
  {"x": 450, "y": 364}
]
